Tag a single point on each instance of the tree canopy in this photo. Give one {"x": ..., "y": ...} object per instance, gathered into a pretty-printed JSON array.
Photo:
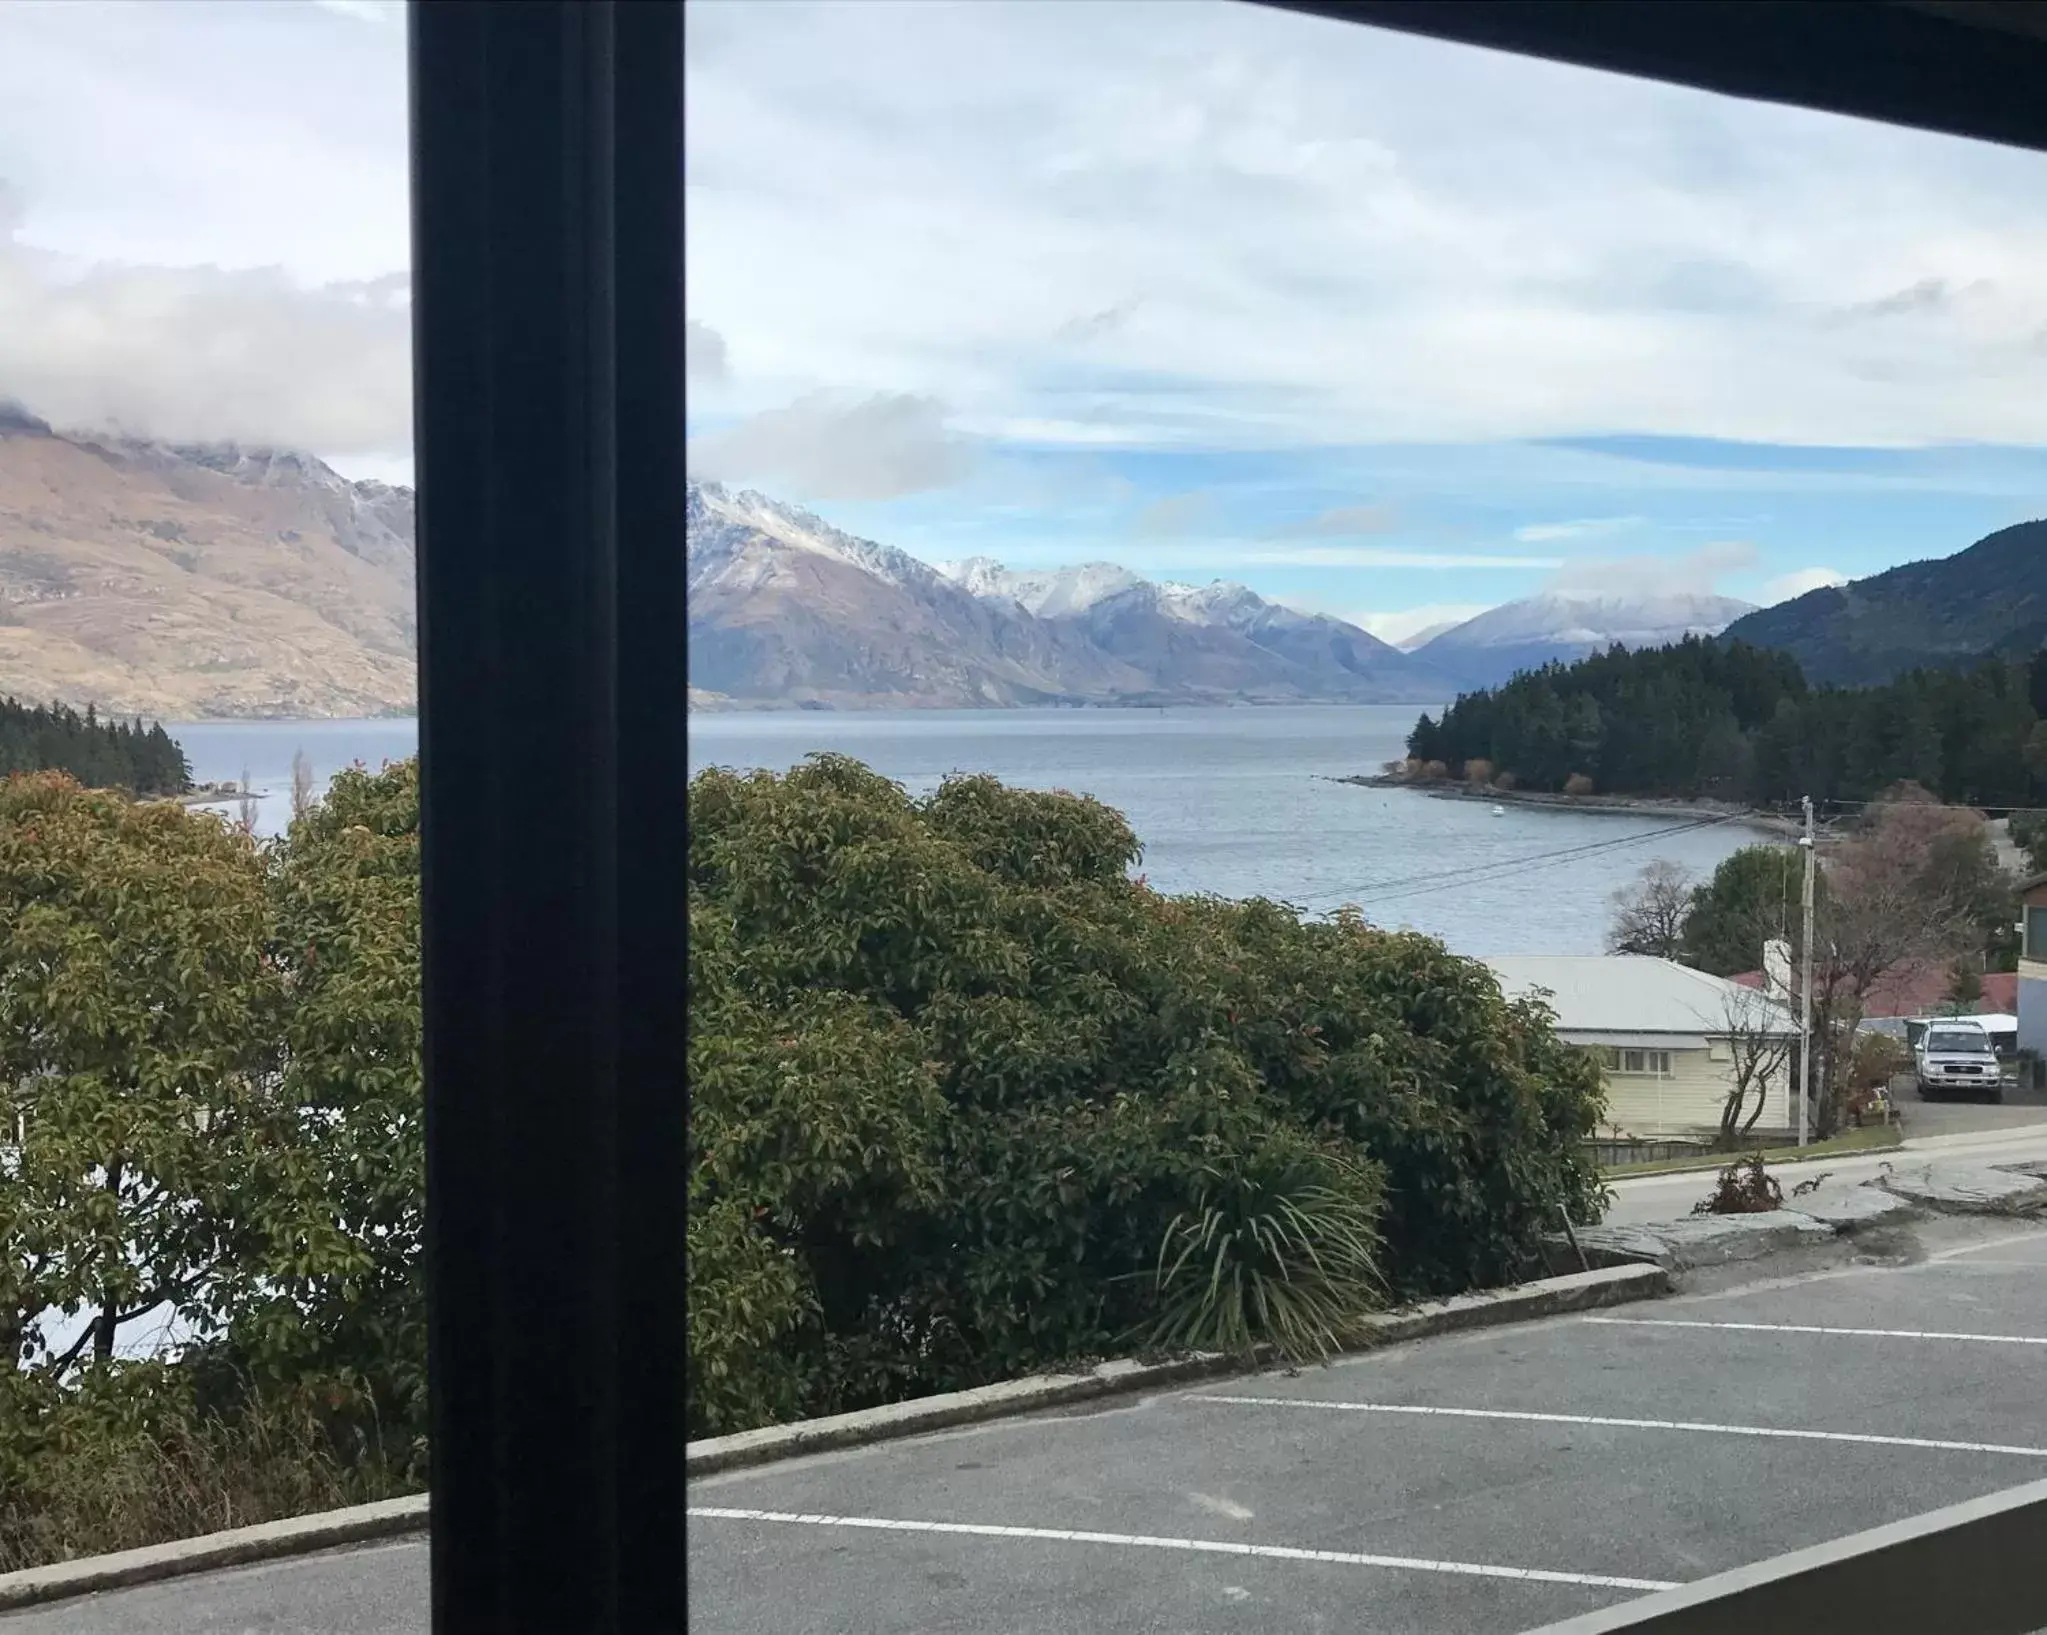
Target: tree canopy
[
  {"x": 1727, "y": 721},
  {"x": 99, "y": 754},
  {"x": 967, "y": 1100}
]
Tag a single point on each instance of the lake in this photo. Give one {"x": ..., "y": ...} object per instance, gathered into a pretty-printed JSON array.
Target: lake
[{"x": 1240, "y": 802}]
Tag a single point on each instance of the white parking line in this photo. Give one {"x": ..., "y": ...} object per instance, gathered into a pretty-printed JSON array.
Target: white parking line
[
  {"x": 1868, "y": 1438},
  {"x": 1814, "y": 1328},
  {"x": 1271, "y": 1552}
]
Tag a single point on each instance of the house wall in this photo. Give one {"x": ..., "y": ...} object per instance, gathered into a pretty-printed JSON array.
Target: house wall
[
  {"x": 2032, "y": 1009},
  {"x": 1690, "y": 1100}
]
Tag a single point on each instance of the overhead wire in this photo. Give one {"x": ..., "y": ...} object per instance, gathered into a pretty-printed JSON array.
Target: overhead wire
[{"x": 1393, "y": 889}]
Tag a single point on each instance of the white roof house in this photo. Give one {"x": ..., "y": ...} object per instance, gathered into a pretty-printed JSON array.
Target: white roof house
[
  {"x": 1614, "y": 999},
  {"x": 1663, "y": 1030}
]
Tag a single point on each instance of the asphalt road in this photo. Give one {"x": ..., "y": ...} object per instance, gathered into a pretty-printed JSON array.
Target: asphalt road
[
  {"x": 1668, "y": 1197},
  {"x": 1487, "y": 1482}
]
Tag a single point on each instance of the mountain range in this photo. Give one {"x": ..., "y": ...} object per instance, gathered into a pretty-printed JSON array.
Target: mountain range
[
  {"x": 1990, "y": 598},
  {"x": 182, "y": 581},
  {"x": 784, "y": 608},
  {"x": 189, "y": 581},
  {"x": 1525, "y": 635}
]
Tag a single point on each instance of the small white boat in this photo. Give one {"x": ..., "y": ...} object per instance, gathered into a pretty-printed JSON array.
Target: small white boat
[{"x": 1499, "y": 811}]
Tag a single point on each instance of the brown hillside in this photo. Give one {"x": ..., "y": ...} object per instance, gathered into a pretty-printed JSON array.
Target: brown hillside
[{"x": 193, "y": 582}]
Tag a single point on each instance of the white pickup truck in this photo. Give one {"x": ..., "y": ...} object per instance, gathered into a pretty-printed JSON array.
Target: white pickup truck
[{"x": 1957, "y": 1056}]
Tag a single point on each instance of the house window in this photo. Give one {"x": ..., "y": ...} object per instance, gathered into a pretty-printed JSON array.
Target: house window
[
  {"x": 2036, "y": 932},
  {"x": 1639, "y": 1064}
]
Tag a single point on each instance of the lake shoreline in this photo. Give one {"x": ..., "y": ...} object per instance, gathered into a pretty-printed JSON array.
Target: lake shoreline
[{"x": 1747, "y": 817}]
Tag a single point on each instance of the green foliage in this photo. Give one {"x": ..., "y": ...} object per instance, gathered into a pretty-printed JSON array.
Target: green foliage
[
  {"x": 328, "y": 1284},
  {"x": 1281, "y": 1248},
  {"x": 966, "y": 1101},
  {"x": 100, "y": 754},
  {"x": 209, "y": 1052},
  {"x": 1755, "y": 895},
  {"x": 131, "y": 1457},
  {"x": 1727, "y": 721},
  {"x": 135, "y": 1055}
]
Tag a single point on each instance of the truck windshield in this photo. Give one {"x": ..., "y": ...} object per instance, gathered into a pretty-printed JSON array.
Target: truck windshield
[{"x": 1959, "y": 1043}]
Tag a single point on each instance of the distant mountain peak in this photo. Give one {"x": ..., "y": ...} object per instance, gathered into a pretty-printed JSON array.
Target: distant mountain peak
[
  {"x": 1566, "y": 624},
  {"x": 769, "y": 622}
]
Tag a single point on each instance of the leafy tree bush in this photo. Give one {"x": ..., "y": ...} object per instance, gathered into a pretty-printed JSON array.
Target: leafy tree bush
[
  {"x": 135, "y": 1002},
  {"x": 966, "y": 1100},
  {"x": 209, "y": 1084}
]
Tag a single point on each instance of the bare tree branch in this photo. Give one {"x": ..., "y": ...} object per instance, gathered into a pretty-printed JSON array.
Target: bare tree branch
[{"x": 1649, "y": 913}]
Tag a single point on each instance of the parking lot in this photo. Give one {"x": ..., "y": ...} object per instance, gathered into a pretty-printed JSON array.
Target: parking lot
[{"x": 1492, "y": 1481}]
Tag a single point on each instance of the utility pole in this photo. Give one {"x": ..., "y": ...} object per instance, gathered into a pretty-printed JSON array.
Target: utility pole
[{"x": 1805, "y": 981}]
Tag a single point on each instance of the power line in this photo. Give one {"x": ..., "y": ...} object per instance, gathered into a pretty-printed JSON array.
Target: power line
[{"x": 1394, "y": 890}]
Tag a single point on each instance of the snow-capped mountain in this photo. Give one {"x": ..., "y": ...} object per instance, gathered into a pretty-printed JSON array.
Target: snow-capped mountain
[
  {"x": 1525, "y": 635},
  {"x": 1055, "y": 593},
  {"x": 786, "y": 608}
]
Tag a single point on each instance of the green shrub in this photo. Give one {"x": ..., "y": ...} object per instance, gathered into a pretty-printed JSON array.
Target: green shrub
[{"x": 969, "y": 1101}]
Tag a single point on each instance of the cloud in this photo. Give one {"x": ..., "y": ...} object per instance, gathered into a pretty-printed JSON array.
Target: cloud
[
  {"x": 1922, "y": 295},
  {"x": 1410, "y": 627},
  {"x": 1426, "y": 244},
  {"x": 375, "y": 12},
  {"x": 1173, "y": 515},
  {"x": 1347, "y": 521},
  {"x": 1247, "y": 556},
  {"x": 703, "y": 352},
  {"x": 824, "y": 447},
  {"x": 1787, "y": 586},
  {"x": 1094, "y": 325},
  {"x": 1541, "y": 533},
  {"x": 206, "y": 353},
  {"x": 1698, "y": 572}
]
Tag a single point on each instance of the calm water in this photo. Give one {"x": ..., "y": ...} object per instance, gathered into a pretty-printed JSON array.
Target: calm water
[{"x": 1238, "y": 802}]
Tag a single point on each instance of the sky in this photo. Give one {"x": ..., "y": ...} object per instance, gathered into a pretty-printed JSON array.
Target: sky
[{"x": 1381, "y": 326}]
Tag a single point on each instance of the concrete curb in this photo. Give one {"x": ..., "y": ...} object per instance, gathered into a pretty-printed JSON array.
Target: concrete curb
[
  {"x": 300, "y": 1535},
  {"x": 1579, "y": 1291}
]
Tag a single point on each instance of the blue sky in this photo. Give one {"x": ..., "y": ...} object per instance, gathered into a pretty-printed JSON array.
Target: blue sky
[{"x": 1373, "y": 324}]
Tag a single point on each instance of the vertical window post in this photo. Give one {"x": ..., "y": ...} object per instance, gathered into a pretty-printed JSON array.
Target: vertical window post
[{"x": 548, "y": 355}]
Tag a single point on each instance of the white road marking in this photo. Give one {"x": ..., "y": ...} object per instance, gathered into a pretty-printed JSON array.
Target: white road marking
[
  {"x": 1270, "y": 1552},
  {"x": 1221, "y": 1507},
  {"x": 1814, "y": 1328},
  {"x": 1868, "y": 1438},
  {"x": 1984, "y": 1248}
]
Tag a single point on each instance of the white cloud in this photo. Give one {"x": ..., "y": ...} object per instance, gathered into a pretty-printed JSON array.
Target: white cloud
[
  {"x": 1798, "y": 582},
  {"x": 375, "y": 12},
  {"x": 1174, "y": 514},
  {"x": 206, "y": 353},
  {"x": 204, "y": 226},
  {"x": 1245, "y": 555},
  {"x": 1538, "y": 533},
  {"x": 1424, "y": 242},
  {"x": 1348, "y": 521},
  {"x": 1409, "y": 627},
  {"x": 703, "y": 352},
  {"x": 1699, "y": 571},
  {"x": 826, "y": 448}
]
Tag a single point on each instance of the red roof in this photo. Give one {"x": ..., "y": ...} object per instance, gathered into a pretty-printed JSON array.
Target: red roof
[{"x": 1922, "y": 990}]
